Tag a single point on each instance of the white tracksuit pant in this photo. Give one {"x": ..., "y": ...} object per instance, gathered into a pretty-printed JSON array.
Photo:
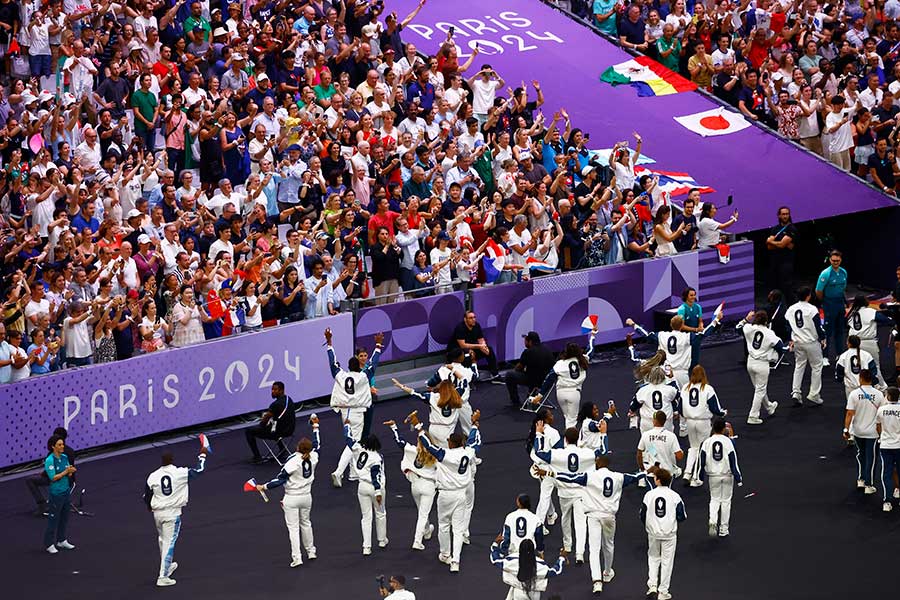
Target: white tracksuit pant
[
  {"x": 465, "y": 418},
  {"x": 660, "y": 560},
  {"x": 423, "y": 493},
  {"x": 545, "y": 507},
  {"x": 356, "y": 417},
  {"x": 440, "y": 433},
  {"x": 366, "y": 493},
  {"x": 469, "y": 506},
  {"x": 573, "y": 508},
  {"x": 807, "y": 353},
  {"x": 698, "y": 430},
  {"x": 451, "y": 505},
  {"x": 297, "y": 508},
  {"x": 569, "y": 400},
  {"x": 602, "y": 533},
  {"x": 759, "y": 376},
  {"x": 721, "y": 488},
  {"x": 871, "y": 346},
  {"x": 167, "y": 530}
]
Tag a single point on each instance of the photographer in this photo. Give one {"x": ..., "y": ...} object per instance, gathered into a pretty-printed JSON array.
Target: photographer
[
  {"x": 395, "y": 589},
  {"x": 840, "y": 133}
]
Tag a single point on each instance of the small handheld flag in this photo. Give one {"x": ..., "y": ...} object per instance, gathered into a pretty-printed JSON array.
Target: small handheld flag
[
  {"x": 589, "y": 324},
  {"x": 204, "y": 444},
  {"x": 250, "y": 486},
  {"x": 719, "y": 311}
]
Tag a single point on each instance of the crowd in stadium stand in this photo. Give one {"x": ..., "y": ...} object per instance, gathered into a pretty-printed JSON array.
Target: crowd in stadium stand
[
  {"x": 824, "y": 74},
  {"x": 181, "y": 171}
]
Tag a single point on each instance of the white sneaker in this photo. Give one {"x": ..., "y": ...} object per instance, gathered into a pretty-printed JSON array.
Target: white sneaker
[
  {"x": 651, "y": 591},
  {"x": 296, "y": 563},
  {"x": 642, "y": 483},
  {"x": 366, "y": 551},
  {"x": 546, "y": 530},
  {"x": 429, "y": 531},
  {"x": 65, "y": 545},
  {"x": 579, "y": 559},
  {"x": 772, "y": 408},
  {"x": 663, "y": 596},
  {"x": 418, "y": 546},
  {"x": 860, "y": 484},
  {"x": 311, "y": 554},
  {"x": 896, "y": 492},
  {"x": 335, "y": 480},
  {"x": 454, "y": 567},
  {"x": 466, "y": 539},
  {"x": 551, "y": 519},
  {"x": 172, "y": 568},
  {"x": 826, "y": 362},
  {"x": 817, "y": 401},
  {"x": 477, "y": 461},
  {"x": 886, "y": 507},
  {"x": 444, "y": 558},
  {"x": 713, "y": 529},
  {"x": 723, "y": 533},
  {"x": 598, "y": 587},
  {"x": 608, "y": 575},
  {"x": 754, "y": 421},
  {"x": 164, "y": 582},
  {"x": 383, "y": 544},
  {"x": 696, "y": 483},
  {"x": 870, "y": 489},
  {"x": 52, "y": 549}
]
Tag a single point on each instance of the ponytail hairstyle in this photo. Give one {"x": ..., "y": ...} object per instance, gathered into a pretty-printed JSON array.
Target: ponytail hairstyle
[
  {"x": 448, "y": 395},
  {"x": 643, "y": 370},
  {"x": 859, "y": 302},
  {"x": 575, "y": 351},
  {"x": 527, "y": 565},
  {"x": 423, "y": 456},
  {"x": 371, "y": 443},
  {"x": 698, "y": 375},
  {"x": 657, "y": 376},
  {"x": 540, "y": 415},
  {"x": 853, "y": 342},
  {"x": 304, "y": 447}
]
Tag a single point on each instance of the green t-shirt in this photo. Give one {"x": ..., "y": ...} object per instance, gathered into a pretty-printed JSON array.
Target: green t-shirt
[
  {"x": 53, "y": 466},
  {"x": 192, "y": 22},
  {"x": 146, "y": 103},
  {"x": 324, "y": 92},
  {"x": 670, "y": 61}
]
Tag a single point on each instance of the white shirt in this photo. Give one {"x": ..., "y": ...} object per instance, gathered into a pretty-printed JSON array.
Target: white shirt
[
  {"x": 169, "y": 485},
  {"x": 842, "y": 139},
  {"x": 707, "y": 232},
  {"x": 853, "y": 364},
  {"x": 802, "y": 317},
  {"x": 301, "y": 473},
  {"x": 602, "y": 492},
  {"x": 457, "y": 469},
  {"x": 862, "y": 323},
  {"x": 572, "y": 460},
  {"x": 888, "y": 416},
  {"x": 78, "y": 338},
  {"x": 654, "y": 397},
  {"x": 362, "y": 464},
  {"x": 483, "y": 94},
  {"x": 35, "y": 308},
  {"x": 659, "y": 446},
  {"x": 518, "y": 526},
  {"x": 569, "y": 374},
  {"x": 865, "y": 401},
  {"x": 443, "y": 276},
  {"x": 661, "y": 505},
  {"x": 716, "y": 452},
  {"x": 677, "y": 345},
  {"x": 695, "y": 401},
  {"x": 519, "y": 239},
  {"x": 870, "y": 99},
  {"x": 760, "y": 341}
]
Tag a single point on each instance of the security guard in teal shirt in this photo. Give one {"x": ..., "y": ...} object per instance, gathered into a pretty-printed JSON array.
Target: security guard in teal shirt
[
  {"x": 692, "y": 313},
  {"x": 830, "y": 289},
  {"x": 59, "y": 471}
]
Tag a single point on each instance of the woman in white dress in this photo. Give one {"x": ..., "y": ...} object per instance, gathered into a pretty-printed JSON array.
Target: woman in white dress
[{"x": 663, "y": 233}]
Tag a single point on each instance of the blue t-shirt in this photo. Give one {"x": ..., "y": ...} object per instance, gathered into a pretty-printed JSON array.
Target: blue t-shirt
[
  {"x": 832, "y": 283},
  {"x": 691, "y": 314},
  {"x": 36, "y": 368},
  {"x": 53, "y": 466}
]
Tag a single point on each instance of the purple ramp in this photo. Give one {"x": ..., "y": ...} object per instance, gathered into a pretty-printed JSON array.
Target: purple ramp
[{"x": 533, "y": 41}]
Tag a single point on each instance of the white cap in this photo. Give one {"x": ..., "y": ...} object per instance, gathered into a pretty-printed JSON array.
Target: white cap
[
  {"x": 219, "y": 31},
  {"x": 585, "y": 171},
  {"x": 262, "y": 77},
  {"x": 28, "y": 98},
  {"x": 143, "y": 239},
  {"x": 134, "y": 213},
  {"x": 237, "y": 56},
  {"x": 44, "y": 96},
  {"x": 133, "y": 45}
]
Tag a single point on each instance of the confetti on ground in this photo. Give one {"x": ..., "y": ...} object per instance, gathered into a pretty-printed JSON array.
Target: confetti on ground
[
  {"x": 750, "y": 495},
  {"x": 823, "y": 458}
]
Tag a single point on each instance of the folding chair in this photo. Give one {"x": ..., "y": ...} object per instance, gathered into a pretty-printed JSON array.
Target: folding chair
[
  {"x": 78, "y": 507},
  {"x": 529, "y": 406},
  {"x": 279, "y": 445}
]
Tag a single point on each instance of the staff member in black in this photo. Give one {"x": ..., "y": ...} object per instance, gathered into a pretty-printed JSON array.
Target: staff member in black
[
  {"x": 40, "y": 480},
  {"x": 470, "y": 338},
  {"x": 780, "y": 245},
  {"x": 532, "y": 368},
  {"x": 276, "y": 422}
]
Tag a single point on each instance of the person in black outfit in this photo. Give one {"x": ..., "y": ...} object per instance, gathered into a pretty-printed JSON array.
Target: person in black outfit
[
  {"x": 40, "y": 480},
  {"x": 469, "y": 337},
  {"x": 780, "y": 245},
  {"x": 277, "y": 422},
  {"x": 532, "y": 368}
]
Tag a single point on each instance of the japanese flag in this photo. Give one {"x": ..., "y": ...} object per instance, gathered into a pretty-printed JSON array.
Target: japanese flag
[{"x": 717, "y": 121}]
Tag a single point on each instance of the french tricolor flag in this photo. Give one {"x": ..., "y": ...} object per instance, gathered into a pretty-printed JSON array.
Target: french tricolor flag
[
  {"x": 493, "y": 261},
  {"x": 673, "y": 183},
  {"x": 204, "y": 444},
  {"x": 540, "y": 266}
]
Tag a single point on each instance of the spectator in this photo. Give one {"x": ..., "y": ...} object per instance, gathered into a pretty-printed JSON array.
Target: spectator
[
  {"x": 386, "y": 256},
  {"x": 708, "y": 229},
  {"x": 469, "y": 337}
]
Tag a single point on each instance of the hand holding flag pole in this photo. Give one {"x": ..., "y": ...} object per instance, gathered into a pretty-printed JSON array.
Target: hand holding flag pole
[{"x": 250, "y": 486}]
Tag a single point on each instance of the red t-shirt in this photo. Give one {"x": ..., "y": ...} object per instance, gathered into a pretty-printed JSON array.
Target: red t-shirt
[{"x": 385, "y": 220}]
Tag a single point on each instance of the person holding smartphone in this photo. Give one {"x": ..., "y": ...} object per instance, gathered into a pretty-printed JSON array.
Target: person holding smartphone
[{"x": 840, "y": 133}]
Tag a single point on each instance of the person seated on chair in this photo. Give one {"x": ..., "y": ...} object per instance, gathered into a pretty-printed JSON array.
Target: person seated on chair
[
  {"x": 276, "y": 423},
  {"x": 536, "y": 361},
  {"x": 470, "y": 338},
  {"x": 40, "y": 480}
]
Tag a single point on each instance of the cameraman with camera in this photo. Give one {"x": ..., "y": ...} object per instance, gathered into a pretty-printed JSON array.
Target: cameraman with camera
[{"x": 395, "y": 589}]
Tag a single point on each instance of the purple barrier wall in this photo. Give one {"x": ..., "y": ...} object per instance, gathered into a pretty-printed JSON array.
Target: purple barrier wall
[
  {"x": 527, "y": 40},
  {"x": 556, "y": 306},
  {"x": 168, "y": 390},
  {"x": 411, "y": 328}
]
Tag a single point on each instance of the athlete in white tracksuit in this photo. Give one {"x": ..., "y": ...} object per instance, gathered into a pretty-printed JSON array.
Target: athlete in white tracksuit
[
  {"x": 719, "y": 468},
  {"x": 444, "y": 404},
  {"x": 568, "y": 374},
  {"x": 455, "y": 473},
  {"x": 419, "y": 467},
  {"x": 807, "y": 340},
  {"x": 851, "y": 362},
  {"x": 661, "y": 511},
  {"x": 462, "y": 378},
  {"x": 761, "y": 341},
  {"x": 520, "y": 525},
  {"x": 351, "y": 396},
  {"x": 574, "y": 460},
  {"x": 862, "y": 321},
  {"x": 297, "y": 476},
  {"x": 545, "y": 510},
  {"x": 659, "y": 447},
  {"x": 656, "y": 395},
  {"x": 699, "y": 405},
  {"x": 368, "y": 467},
  {"x": 525, "y": 565},
  {"x": 601, "y": 493},
  {"x": 166, "y": 493},
  {"x": 677, "y": 345}
]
